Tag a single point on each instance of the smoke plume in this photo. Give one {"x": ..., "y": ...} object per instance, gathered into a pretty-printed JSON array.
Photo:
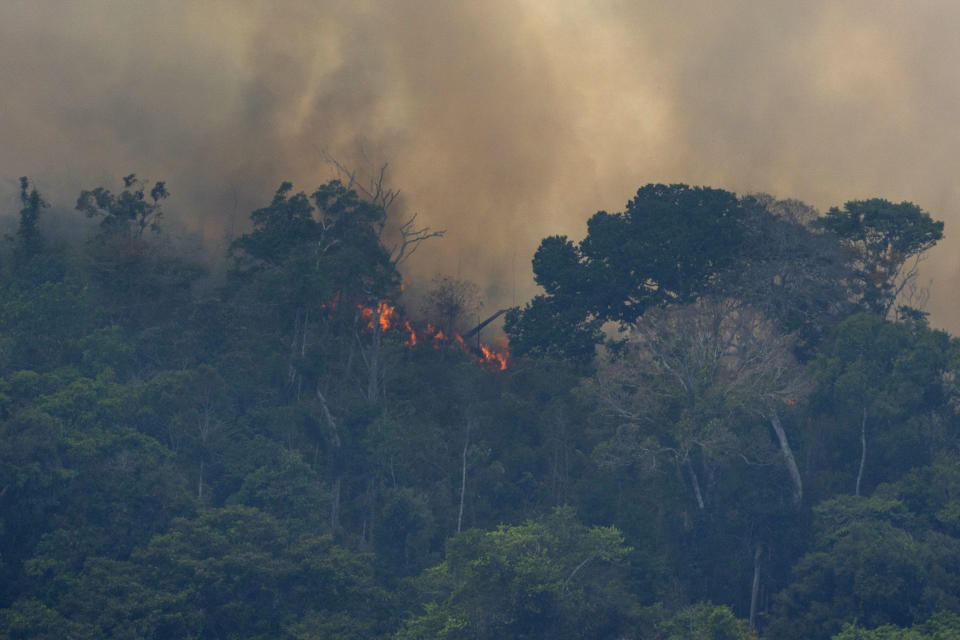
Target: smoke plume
[{"x": 502, "y": 121}]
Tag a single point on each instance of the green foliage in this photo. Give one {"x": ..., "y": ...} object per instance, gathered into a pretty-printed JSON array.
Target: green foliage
[
  {"x": 41, "y": 326},
  {"x": 883, "y": 381},
  {"x": 30, "y": 619},
  {"x": 942, "y": 626},
  {"x": 669, "y": 245},
  {"x": 131, "y": 212},
  {"x": 789, "y": 270},
  {"x": 883, "y": 242},
  {"x": 536, "y": 331},
  {"x": 704, "y": 621},
  {"x": 878, "y": 560},
  {"x": 270, "y": 461},
  {"x": 33, "y": 261},
  {"x": 132, "y": 276},
  {"x": 289, "y": 490},
  {"x": 550, "y": 578},
  {"x": 331, "y": 237}
]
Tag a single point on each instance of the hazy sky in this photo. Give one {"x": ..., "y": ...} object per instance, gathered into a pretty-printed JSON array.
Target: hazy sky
[{"x": 503, "y": 121}]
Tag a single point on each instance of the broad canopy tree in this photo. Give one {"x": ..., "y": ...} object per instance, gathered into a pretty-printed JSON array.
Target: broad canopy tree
[{"x": 668, "y": 246}]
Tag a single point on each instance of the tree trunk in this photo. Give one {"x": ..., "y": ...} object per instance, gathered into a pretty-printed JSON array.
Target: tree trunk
[
  {"x": 788, "y": 457},
  {"x": 755, "y": 590},
  {"x": 694, "y": 481},
  {"x": 863, "y": 450},
  {"x": 336, "y": 463},
  {"x": 463, "y": 481},
  {"x": 294, "y": 347},
  {"x": 335, "y": 504}
]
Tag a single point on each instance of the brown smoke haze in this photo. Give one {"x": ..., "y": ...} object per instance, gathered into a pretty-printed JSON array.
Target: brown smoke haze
[{"x": 503, "y": 121}]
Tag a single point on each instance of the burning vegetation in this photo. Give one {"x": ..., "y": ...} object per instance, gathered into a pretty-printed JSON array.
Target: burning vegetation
[{"x": 386, "y": 316}]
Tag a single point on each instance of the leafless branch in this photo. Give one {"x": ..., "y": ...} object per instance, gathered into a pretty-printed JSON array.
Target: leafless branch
[{"x": 410, "y": 239}]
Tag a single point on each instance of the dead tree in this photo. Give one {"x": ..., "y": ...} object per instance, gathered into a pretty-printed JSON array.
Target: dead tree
[{"x": 711, "y": 359}]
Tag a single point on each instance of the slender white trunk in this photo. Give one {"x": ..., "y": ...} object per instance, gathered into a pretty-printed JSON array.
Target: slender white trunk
[
  {"x": 788, "y": 457},
  {"x": 755, "y": 590},
  {"x": 336, "y": 443},
  {"x": 463, "y": 481},
  {"x": 694, "y": 481},
  {"x": 863, "y": 450}
]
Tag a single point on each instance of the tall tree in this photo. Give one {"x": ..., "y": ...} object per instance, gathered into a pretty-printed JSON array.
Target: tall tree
[
  {"x": 884, "y": 243},
  {"x": 687, "y": 370},
  {"x": 669, "y": 245},
  {"x": 138, "y": 280}
]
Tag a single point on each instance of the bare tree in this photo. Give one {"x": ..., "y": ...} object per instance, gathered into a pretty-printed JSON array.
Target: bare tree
[
  {"x": 450, "y": 303},
  {"x": 684, "y": 381},
  {"x": 407, "y": 235},
  {"x": 400, "y": 240}
]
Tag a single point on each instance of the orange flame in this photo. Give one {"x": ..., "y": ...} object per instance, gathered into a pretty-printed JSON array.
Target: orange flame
[
  {"x": 411, "y": 334},
  {"x": 384, "y": 312},
  {"x": 386, "y": 316},
  {"x": 500, "y": 359}
]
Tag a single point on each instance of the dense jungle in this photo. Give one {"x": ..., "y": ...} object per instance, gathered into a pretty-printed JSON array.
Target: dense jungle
[{"x": 724, "y": 417}]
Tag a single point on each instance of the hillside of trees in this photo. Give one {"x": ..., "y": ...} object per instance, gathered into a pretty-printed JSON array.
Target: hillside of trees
[{"x": 724, "y": 417}]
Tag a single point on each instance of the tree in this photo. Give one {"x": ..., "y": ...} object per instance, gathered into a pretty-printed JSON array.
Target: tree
[
  {"x": 703, "y": 621},
  {"x": 790, "y": 270},
  {"x": 135, "y": 276},
  {"x": 321, "y": 261},
  {"x": 683, "y": 374},
  {"x": 129, "y": 213},
  {"x": 289, "y": 490},
  {"x": 882, "y": 381},
  {"x": 883, "y": 243},
  {"x": 703, "y": 386},
  {"x": 251, "y": 579},
  {"x": 30, "y": 619},
  {"x": 450, "y": 303},
  {"x": 669, "y": 246},
  {"x": 549, "y": 578},
  {"x": 29, "y": 265},
  {"x": 874, "y": 561}
]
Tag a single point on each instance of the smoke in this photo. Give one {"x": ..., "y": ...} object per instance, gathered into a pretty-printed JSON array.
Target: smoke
[{"x": 502, "y": 121}]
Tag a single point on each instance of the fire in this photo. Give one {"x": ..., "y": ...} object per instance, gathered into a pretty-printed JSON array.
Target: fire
[
  {"x": 492, "y": 356},
  {"x": 386, "y": 315},
  {"x": 411, "y": 340}
]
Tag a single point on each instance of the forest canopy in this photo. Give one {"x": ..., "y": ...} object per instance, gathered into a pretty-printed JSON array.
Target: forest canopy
[{"x": 724, "y": 416}]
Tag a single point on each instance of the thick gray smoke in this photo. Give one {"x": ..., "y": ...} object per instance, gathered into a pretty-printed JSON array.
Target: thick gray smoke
[{"x": 502, "y": 121}]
